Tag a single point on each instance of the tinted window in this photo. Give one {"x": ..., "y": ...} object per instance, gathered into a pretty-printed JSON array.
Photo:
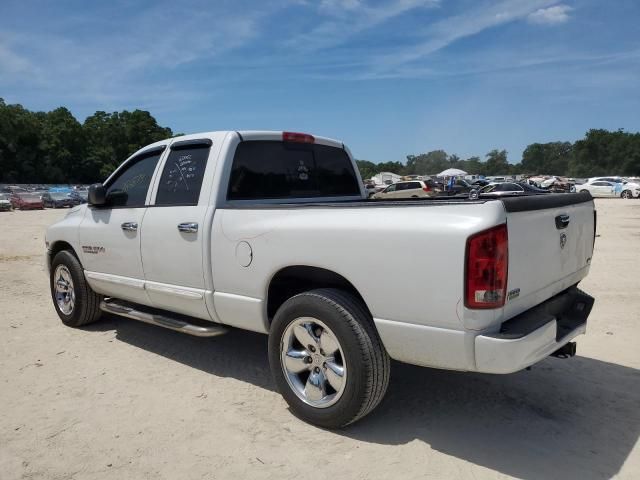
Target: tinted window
[
  {"x": 414, "y": 185},
  {"x": 267, "y": 169},
  {"x": 130, "y": 187},
  {"x": 182, "y": 176},
  {"x": 510, "y": 187},
  {"x": 401, "y": 186}
]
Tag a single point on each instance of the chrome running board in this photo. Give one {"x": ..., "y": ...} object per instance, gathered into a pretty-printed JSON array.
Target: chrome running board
[{"x": 161, "y": 319}]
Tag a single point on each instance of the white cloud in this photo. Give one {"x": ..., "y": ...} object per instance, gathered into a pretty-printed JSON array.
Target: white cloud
[
  {"x": 351, "y": 17},
  {"x": 443, "y": 33},
  {"x": 125, "y": 56},
  {"x": 550, "y": 16}
]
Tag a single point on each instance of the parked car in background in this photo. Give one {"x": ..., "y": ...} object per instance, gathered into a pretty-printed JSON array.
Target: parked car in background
[
  {"x": 26, "y": 201},
  {"x": 630, "y": 188},
  {"x": 58, "y": 200},
  {"x": 371, "y": 189},
  {"x": 480, "y": 182},
  {"x": 605, "y": 179},
  {"x": 413, "y": 189},
  {"x": 79, "y": 196},
  {"x": 495, "y": 190},
  {"x": 459, "y": 186},
  {"x": 14, "y": 189},
  {"x": 558, "y": 185},
  {"x": 601, "y": 188},
  {"x": 5, "y": 203}
]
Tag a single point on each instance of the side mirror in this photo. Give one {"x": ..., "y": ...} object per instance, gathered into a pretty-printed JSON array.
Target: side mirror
[{"x": 97, "y": 195}]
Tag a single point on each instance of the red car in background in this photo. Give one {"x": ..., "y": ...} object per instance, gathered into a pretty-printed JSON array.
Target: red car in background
[{"x": 26, "y": 201}]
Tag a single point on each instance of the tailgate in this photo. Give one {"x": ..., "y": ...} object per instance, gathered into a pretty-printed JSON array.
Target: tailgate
[{"x": 550, "y": 246}]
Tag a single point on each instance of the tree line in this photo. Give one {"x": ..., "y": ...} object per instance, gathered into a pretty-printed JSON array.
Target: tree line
[
  {"x": 600, "y": 152},
  {"x": 54, "y": 147}
]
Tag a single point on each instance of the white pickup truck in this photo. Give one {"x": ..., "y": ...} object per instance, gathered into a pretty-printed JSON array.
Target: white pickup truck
[{"x": 272, "y": 232}]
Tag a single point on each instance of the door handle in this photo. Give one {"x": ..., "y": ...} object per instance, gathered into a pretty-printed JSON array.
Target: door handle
[
  {"x": 129, "y": 226},
  {"x": 189, "y": 227}
]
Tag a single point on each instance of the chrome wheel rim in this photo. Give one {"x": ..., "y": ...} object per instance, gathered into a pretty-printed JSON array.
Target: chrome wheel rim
[
  {"x": 313, "y": 362},
  {"x": 63, "y": 289}
]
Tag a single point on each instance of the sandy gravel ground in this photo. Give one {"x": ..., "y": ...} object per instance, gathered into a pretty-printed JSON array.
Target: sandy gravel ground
[{"x": 127, "y": 400}]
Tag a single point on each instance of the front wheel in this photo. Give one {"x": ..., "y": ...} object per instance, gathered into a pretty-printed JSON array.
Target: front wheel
[
  {"x": 327, "y": 358},
  {"x": 626, "y": 194},
  {"x": 75, "y": 302}
]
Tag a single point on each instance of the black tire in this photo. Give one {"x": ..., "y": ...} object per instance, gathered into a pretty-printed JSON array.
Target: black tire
[
  {"x": 626, "y": 194},
  {"x": 584, "y": 191},
  {"x": 87, "y": 302},
  {"x": 365, "y": 357}
]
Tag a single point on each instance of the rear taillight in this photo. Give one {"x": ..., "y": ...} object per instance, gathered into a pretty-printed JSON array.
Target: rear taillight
[
  {"x": 486, "y": 268},
  {"x": 426, "y": 188},
  {"x": 297, "y": 137}
]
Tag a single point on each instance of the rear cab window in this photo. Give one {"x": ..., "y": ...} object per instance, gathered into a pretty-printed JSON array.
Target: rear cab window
[{"x": 265, "y": 169}]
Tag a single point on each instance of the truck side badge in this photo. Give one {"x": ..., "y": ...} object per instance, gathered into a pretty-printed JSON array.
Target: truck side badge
[{"x": 515, "y": 293}]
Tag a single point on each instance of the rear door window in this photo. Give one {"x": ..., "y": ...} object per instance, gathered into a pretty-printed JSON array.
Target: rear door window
[
  {"x": 182, "y": 176},
  {"x": 272, "y": 169}
]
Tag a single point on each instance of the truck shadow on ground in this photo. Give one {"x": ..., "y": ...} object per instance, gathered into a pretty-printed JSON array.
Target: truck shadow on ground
[{"x": 577, "y": 418}]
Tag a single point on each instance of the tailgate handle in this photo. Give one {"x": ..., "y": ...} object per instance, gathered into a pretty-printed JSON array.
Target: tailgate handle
[{"x": 562, "y": 221}]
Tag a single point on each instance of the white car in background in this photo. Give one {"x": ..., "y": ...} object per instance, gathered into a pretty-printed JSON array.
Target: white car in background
[
  {"x": 630, "y": 188},
  {"x": 600, "y": 188}
]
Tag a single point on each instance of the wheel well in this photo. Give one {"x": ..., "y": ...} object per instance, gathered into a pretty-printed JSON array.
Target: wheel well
[
  {"x": 293, "y": 280},
  {"x": 58, "y": 247}
]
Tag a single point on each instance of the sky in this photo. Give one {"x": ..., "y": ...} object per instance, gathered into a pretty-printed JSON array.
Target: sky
[{"x": 390, "y": 78}]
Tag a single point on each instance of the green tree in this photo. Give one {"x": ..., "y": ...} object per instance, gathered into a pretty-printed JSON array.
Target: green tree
[
  {"x": 602, "y": 152},
  {"x": 550, "y": 158},
  {"x": 497, "y": 163},
  {"x": 21, "y": 151},
  {"x": 427, "y": 163},
  {"x": 367, "y": 169},
  {"x": 63, "y": 142}
]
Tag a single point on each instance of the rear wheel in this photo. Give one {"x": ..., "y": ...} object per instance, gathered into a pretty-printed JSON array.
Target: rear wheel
[
  {"x": 327, "y": 359},
  {"x": 75, "y": 302},
  {"x": 584, "y": 191}
]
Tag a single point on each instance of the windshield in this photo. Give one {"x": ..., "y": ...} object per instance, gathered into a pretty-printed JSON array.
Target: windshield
[
  {"x": 4, "y": 196},
  {"x": 58, "y": 196}
]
